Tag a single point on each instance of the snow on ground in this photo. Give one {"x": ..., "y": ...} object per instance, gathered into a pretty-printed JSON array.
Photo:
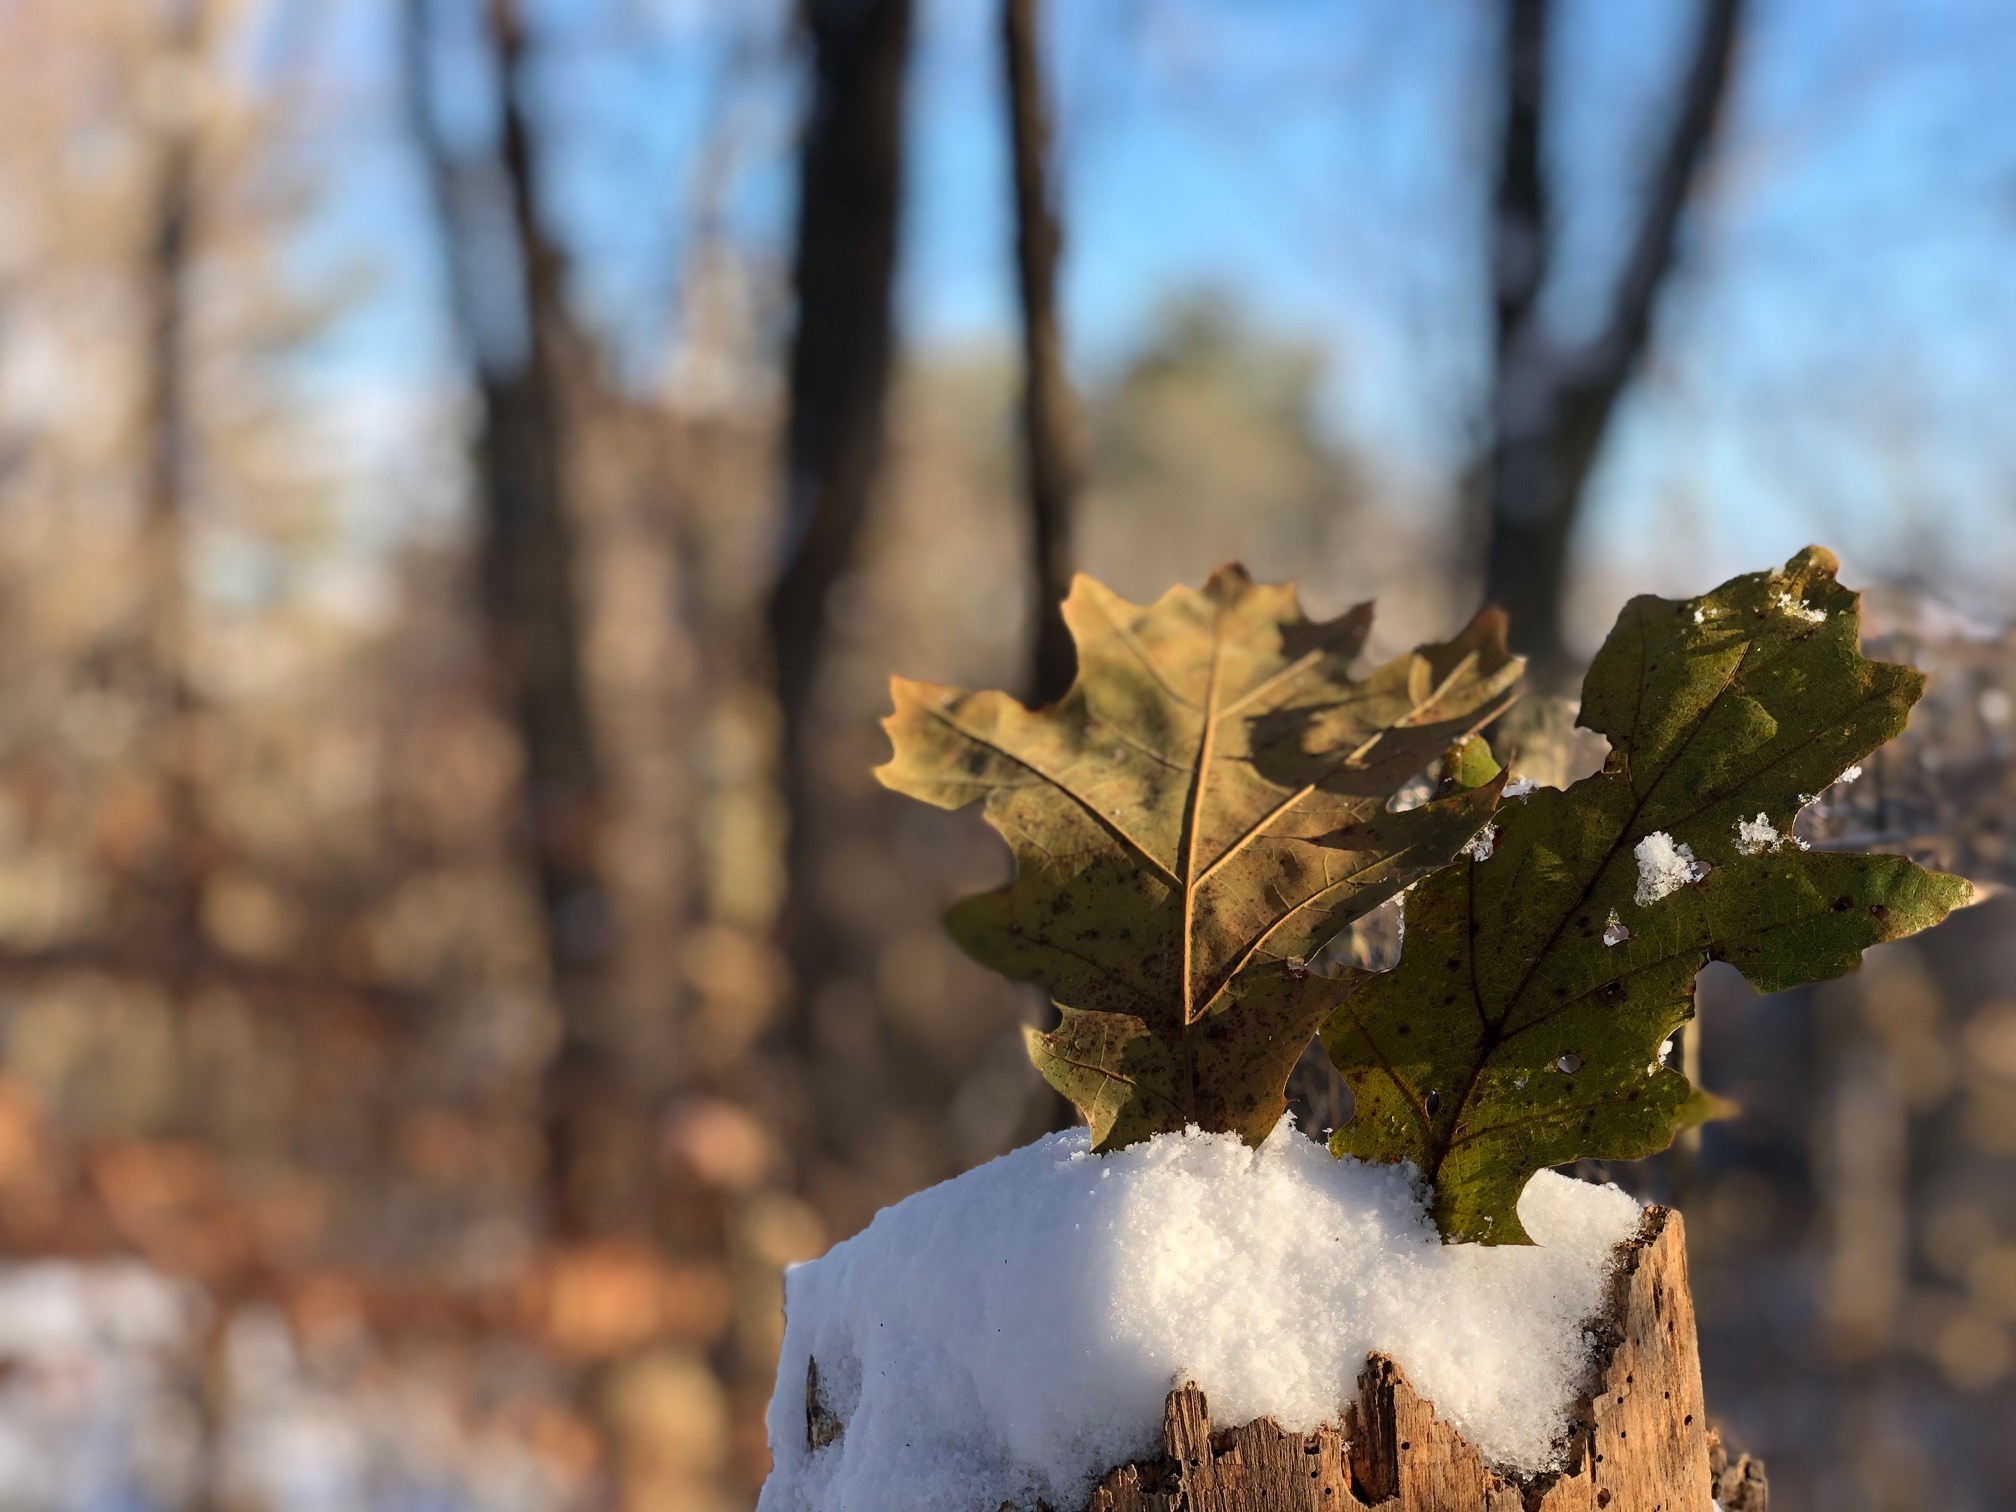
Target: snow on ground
[
  {"x": 101, "y": 1376},
  {"x": 1010, "y": 1334},
  {"x": 90, "y": 1414}
]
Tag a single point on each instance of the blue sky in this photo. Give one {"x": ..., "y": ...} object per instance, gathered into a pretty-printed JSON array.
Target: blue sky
[{"x": 1833, "y": 360}]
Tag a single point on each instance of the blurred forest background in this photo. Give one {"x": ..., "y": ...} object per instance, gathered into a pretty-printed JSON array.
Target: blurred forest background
[{"x": 467, "y": 468}]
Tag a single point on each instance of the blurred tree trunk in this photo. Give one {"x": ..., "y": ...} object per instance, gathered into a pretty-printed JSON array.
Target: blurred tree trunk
[
  {"x": 1049, "y": 461},
  {"x": 850, "y": 194},
  {"x": 164, "y": 447},
  {"x": 175, "y": 887},
  {"x": 595, "y": 1177},
  {"x": 1551, "y": 403}
]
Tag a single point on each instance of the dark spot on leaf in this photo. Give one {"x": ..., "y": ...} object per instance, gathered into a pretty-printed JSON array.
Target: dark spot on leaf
[
  {"x": 1433, "y": 1102},
  {"x": 1843, "y": 903},
  {"x": 1613, "y": 992},
  {"x": 1879, "y": 911}
]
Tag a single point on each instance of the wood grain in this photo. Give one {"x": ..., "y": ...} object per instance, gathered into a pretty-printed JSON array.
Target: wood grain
[{"x": 1639, "y": 1440}]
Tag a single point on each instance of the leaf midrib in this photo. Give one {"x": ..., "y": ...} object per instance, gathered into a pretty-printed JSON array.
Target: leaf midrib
[
  {"x": 1188, "y": 878},
  {"x": 1200, "y": 777},
  {"x": 1496, "y": 1034}
]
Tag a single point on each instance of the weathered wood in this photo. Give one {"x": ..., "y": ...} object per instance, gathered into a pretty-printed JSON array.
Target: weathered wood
[
  {"x": 1739, "y": 1483},
  {"x": 1639, "y": 1441}
]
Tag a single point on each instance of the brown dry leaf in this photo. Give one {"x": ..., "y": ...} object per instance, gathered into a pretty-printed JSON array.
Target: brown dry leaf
[{"x": 1191, "y": 822}]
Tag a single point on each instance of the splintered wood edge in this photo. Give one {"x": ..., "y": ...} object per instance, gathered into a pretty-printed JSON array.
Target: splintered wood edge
[{"x": 1638, "y": 1440}]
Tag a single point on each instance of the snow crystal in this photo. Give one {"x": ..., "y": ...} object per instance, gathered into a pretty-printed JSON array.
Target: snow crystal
[
  {"x": 1009, "y": 1335},
  {"x": 1700, "y": 617},
  {"x": 1799, "y": 608},
  {"x": 1519, "y": 787},
  {"x": 1480, "y": 845},
  {"x": 1614, "y": 932},
  {"x": 1664, "y": 867},
  {"x": 1755, "y": 836},
  {"x": 1851, "y": 774}
]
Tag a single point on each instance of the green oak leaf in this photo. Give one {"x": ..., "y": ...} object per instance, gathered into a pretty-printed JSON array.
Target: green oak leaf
[
  {"x": 1198, "y": 815},
  {"x": 1523, "y": 1024}
]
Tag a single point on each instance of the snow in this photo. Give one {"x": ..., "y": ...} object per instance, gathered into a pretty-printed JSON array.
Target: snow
[
  {"x": 1851, "y": 774},
  {"x": 1755, "y": 836},
  {"x": 86, "y": 1413},
  {"x": 1664, "y": 867},
  {"x": 1480, "y": 845},
  {"x": 1011, "y": 1334},
  {"x": 103, "y": 1375},
  {"x": 1519, "y": 787},
  {"x": 1799, "y": 608},
  {"x": 1615, "y": 931}
]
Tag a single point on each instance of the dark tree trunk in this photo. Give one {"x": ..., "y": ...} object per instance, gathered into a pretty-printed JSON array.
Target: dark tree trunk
[
  {"x": 1551, "y": 404},
  {"x": 174, "y": 886},
  {"x": 176, "y": 882},
  {"x": 1049, "y": 462},
  {"x": 532, "y": 621},
  {"x": 850, "y": 193},
  {"x": 597, "y": 1154}
]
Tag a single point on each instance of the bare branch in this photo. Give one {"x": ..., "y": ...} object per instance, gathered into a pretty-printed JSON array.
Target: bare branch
[
  {"x": 1654, "y": 249},
  {"x": 1551, "y": 405}
]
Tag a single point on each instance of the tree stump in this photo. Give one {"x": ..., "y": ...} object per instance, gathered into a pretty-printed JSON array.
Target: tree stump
[{"x": 1640, "y": 1440}]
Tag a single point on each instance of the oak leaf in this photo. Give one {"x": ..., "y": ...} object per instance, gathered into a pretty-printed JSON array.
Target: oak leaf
[
  {"x": 1199, "y": 814},
  {"x": 1525, "y": 1022}
]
